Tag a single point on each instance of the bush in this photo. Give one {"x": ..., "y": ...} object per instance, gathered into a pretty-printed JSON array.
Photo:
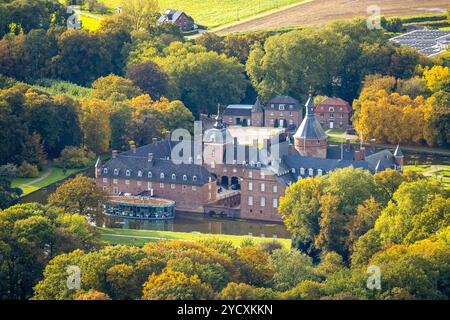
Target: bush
[
  {"x": 270, "y": 246},
  {"x": 27, "y": 170},
  {"x": 74, "y": 158}
]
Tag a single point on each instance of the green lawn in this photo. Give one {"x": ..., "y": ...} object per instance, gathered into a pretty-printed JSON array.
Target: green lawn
[
  {"x": 213, "y": 13},
  {"x": 443, "y": 174},
  {"x": 56, "y": 175},
  {"x": 139, "y": 237}
]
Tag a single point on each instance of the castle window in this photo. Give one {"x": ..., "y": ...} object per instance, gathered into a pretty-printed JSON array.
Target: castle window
[
  {"x": 161, "y": 185},
  {"x": 184, "y": 177},
  {"x": 262, "y": 173},
  {"x": 263, "y": 187},
  {"x": 139, "y": 183},
  {"x": 184, "y": 187},
  {"x": 161, "y": 176},
  {"x": 319, "y": 172},
  {"x": 275, "y": 188},
  {"x": 310, "y": 172},
  {"x": 250, "y": 200},
  {"x": 302, "y": 171},
  {"x": 150, "y": 174},
  {"x": 194, "y": 188},
  {"x": 105, "y": 180},
  {"x": 263, "y": 202},
  {"x": 330, "y": 109},
  {"x": 105, "y": 170},
  {"x": 331, "y": 115},
  {"x": 116, "y": 172},
  {"x": 250, "y": 186},
  {"x": 139, "y": 173},
  {"x": 275, "y": 203},
  {"x": 272, "y": 105},
  {"x": 174, "y": 176},
  {"x": 115, "y": 181},
  {"x": 194, "y": 178},
  {"x": 128, "y": 173},
  {"x": 127, "y": 182},
  {"x": 250, "y": 174},
  {"x": 172, "y": 186}
]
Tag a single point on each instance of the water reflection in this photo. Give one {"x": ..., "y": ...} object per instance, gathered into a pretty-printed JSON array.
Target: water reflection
[{"x": 188, "y": 222}]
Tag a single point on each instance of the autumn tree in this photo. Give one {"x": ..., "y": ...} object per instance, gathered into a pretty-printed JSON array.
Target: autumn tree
[
  {"x": 172, "y": 285},
  {"x": 114, "y": 87},
  {"x": 95, "y": 122},
  {"x": 79, "y": 195},
  {"x": 140, "y": 14}
]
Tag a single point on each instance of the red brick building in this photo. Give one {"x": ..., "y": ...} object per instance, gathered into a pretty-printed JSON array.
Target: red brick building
[
  {"x": 334, "y": 113},
  {"x": 241, "y": 180}
]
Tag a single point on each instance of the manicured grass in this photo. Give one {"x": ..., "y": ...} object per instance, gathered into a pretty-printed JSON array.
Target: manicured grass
[
  {"x": 140, "y": 237},
  {"x": 213, "y": 13},
  {"x": 443, "y": 174},
  {"x": 56, "y": 175}
]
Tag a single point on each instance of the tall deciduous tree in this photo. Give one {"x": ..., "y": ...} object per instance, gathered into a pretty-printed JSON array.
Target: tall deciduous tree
[
  {"x": 95, "y": 122},
  {"x": 79, "y": 195}
]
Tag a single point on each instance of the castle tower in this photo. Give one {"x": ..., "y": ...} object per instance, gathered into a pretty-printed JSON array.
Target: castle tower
[
  {"x": 398, "y": 155},
  {"x": 215, "y": 142},
  {"x": 310, "y": 140}
]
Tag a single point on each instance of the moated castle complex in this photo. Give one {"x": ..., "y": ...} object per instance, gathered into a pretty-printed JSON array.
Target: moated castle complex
[{"x": 244, "y": 180}]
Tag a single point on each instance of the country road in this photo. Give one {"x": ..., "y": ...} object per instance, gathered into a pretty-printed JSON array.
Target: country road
[{"x": 319, "y": 12}]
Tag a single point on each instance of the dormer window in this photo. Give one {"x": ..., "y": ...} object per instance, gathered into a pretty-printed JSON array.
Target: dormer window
[
  {"x": 139, "y": 173},
  {"x": 281, "y": 107},
  {"x": 128, "y": 173},
  {"x": 319, "y": 172},
  {"x": 302, "y": 171},
  {"x": 161, "y": 175},
  {"x": 174, "y": 176},
  {"x": 194, "y": 178},
  {"x": 310, "y": 172},
  {"x": 330, "y": 109},
  {"x": 116, "y": 172},
  {"x": 184, "y": 177},
  {"x": 150, "y": 174},
  {"x": 105, "y": 170}
]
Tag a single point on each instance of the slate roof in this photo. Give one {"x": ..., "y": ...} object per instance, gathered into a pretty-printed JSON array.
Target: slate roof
[
  {"x": 238, "y": 110},
  {"x": 383, "y": 159},
  {"x": 310, "y": 128},
  {"x": 398, "y": 152},
  {"x": 195, "y": 174},
  {"x": 284, "y": 100},
  {"x": 296, "y": 161}
]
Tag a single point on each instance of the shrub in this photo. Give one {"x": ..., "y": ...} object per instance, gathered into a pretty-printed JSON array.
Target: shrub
[
  {"x": 27, "y": 170},
  {"x": 74, "y": 157}
]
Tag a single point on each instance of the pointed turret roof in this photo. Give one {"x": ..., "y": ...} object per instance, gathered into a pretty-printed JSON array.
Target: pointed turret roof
[
  {"x": 379, "y": 167},
  {"x": 310, "y": 128},
  {"x": 219, "y": 121},
  {"x": 398, "y": 152}
]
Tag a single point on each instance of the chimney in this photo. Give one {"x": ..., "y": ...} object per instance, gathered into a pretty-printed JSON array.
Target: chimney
[
  {"x": 357, "y": 156},
  {"x": 363, "y": 153},
  {"x": 114, "y": 154},
  {"x": 133, "y": 148},
  {"x": 150, "y": 157},
  {"x": 235, "y": 141}
]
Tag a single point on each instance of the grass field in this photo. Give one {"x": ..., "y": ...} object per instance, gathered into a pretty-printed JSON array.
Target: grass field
[
  {"x": 56, "y": 175},
  {"x": 440, "y": 172},
  {"x": 213, "y": 13},
  {"x": 139, "y": 237}
]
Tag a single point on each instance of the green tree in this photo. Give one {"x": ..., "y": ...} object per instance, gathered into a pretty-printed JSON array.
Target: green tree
[
  {"x": 172, "y": 285},
  {"x": 112, "y": 85},
  {"x": 79, "y": 195},
  {"x": 149, "y": 77},
  {"x": 291, "y": 267}
]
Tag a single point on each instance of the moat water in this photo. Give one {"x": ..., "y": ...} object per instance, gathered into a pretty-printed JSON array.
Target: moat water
[{"x": 188, "y": 222}]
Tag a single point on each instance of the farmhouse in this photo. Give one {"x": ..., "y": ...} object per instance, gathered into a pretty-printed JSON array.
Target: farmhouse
[
  {"x": 334, "y": 113},
  {"x": 231, "y": 179},
  {"x": 178, "y": 18}
]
